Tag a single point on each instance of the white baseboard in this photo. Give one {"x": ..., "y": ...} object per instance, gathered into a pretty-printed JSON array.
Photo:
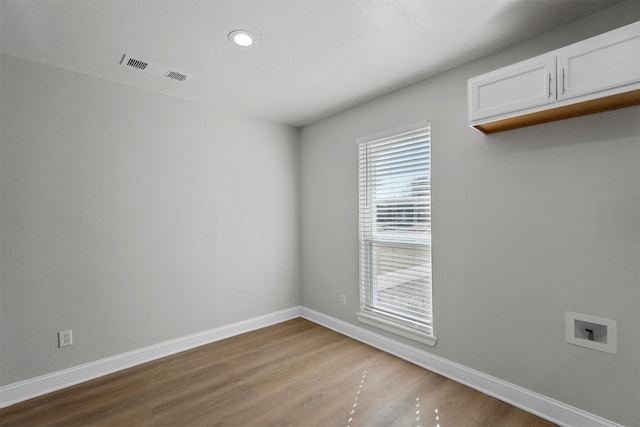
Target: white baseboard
[
  {"x": 520, "y": 397},
  {"x": 28, "y": 389},
  {"x": 542, "y": 406}
]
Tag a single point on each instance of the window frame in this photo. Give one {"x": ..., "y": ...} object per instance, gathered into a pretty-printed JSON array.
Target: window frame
[{"x": 367, "y": 314}]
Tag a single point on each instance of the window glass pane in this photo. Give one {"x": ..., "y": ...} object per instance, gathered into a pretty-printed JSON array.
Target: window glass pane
[{"x": 395, "y": 228}]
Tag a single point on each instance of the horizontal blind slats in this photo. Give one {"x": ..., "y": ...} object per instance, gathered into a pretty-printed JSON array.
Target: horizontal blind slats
[
  {"x": 399, "y": 139},
  {"x": 395, "y": 228}
]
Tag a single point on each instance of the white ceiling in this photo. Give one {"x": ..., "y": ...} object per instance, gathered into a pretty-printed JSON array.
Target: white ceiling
[{"x": 312, "y": 57}]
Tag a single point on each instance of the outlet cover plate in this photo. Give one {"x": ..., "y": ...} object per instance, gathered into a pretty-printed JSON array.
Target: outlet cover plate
[{"x": 65, "y": 338}]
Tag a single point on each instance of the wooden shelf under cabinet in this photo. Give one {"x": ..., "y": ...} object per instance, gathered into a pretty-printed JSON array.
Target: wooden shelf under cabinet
[{"x": 607, "y": 103}]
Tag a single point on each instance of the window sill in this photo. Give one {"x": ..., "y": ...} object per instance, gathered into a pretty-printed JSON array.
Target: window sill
[{"x": 404, "y": 331}]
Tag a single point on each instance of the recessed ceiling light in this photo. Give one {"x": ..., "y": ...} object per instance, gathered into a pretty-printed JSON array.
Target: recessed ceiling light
[{"x": 241, "y": 38}]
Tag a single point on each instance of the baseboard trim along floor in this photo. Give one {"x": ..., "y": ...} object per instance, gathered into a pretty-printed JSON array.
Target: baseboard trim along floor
[
  {"x": 542, "y": 406},
  {"x": 537, "y": 404},
  {"x": 34, "y": 387}
]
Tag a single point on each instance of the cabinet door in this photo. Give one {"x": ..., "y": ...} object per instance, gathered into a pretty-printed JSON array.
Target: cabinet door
[
  {"x": 520, "y": 86},
  {"x": 603, "y": 62}
]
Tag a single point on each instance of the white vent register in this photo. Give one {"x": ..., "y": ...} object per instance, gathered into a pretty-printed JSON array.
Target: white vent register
[{"x": 157, "y": 69}]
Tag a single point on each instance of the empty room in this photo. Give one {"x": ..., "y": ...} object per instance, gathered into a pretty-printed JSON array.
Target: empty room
[{"x": 320, "y": 213}]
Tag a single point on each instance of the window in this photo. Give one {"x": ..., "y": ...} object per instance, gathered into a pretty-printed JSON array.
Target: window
[{"x": 395, "y": 232}]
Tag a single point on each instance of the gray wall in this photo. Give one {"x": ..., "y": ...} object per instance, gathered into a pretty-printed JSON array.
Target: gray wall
[
  {"x": 527, "y": 224},
  {"x": 134, "y": 218}
]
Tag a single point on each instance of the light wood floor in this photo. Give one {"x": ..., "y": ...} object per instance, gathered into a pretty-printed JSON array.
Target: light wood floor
[{"x": 292, "y": 374}]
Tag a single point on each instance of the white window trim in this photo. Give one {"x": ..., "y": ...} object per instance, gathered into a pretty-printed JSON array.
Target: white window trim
[{"x": 414, "y": 334}]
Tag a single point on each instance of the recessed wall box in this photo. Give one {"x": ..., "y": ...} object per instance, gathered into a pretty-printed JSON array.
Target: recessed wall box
[{"x": 591, "y": 332}]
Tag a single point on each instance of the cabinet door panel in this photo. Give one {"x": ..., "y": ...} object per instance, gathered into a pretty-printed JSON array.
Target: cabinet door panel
[
  {"x": 524, "y": 85},
  {"x": 604, "y": 62}
]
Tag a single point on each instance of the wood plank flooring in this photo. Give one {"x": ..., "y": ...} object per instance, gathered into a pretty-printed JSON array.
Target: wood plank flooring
[{"x": 295, "y": 373}]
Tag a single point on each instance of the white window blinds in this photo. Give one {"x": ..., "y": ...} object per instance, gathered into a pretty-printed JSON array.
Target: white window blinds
[{"x": 395, "y": 230}]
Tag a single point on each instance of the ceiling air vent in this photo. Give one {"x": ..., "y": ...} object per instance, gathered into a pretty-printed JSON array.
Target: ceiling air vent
[
  {"x": 150, "y": 67},
  {"x": 177, "y": 76},
  {"x": 136, "y": 63}
]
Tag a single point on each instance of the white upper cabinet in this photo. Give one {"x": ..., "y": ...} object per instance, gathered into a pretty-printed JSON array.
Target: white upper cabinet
[
  {"x": 523, "y": 85},
  {"x": 600, "y": 63},
  {"x": 597, "y": 74}
]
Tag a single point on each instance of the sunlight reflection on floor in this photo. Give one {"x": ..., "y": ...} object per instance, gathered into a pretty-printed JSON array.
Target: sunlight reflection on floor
[
  {"x": 355, "y": 399},
  {"x": 354, "y": 407}
]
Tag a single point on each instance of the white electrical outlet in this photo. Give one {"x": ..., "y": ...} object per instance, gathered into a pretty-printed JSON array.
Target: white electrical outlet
[
  {"x": 65, "y": 338},
  {"x": 343, "y": 299}
]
